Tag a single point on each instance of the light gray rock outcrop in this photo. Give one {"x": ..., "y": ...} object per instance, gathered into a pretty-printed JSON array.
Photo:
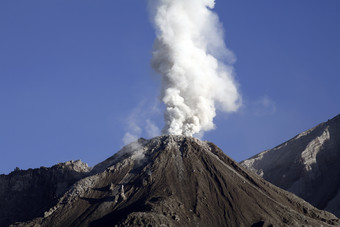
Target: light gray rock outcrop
[{"x": 307, "y": 165}]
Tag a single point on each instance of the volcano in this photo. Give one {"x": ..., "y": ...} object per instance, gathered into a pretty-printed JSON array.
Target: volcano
[{"x": 177, "y": 181}]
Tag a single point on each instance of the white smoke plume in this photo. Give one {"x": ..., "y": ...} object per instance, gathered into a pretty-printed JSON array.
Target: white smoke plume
[{"x": 188, "y": 54}]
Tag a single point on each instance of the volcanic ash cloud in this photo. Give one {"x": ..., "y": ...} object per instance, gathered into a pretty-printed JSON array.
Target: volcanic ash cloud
[{"x": 188, "y": 53}]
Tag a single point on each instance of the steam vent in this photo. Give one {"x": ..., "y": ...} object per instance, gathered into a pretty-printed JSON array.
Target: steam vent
[{"x": 165, "y": 181}]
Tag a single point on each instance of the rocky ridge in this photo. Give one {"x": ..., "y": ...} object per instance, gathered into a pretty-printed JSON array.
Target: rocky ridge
[
  {"x": 307, "y": 165},
  {"x": 26, "y": 194}
]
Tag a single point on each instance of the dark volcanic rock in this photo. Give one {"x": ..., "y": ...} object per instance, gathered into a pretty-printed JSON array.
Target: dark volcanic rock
[
  {"x": 26, "y": 194},
  {"x": 307, "y": 165},
  {"x": 178, "y": 181}
]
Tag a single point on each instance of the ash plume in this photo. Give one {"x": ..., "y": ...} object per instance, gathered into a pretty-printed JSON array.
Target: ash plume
[{"x": 188, "y": 54}]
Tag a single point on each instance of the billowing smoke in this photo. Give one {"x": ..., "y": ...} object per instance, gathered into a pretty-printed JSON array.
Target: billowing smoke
[{"x": 188, "y": 54}]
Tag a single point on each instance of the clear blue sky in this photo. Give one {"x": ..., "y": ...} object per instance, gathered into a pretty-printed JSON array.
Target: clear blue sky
[{"x": 73, "y": 73}]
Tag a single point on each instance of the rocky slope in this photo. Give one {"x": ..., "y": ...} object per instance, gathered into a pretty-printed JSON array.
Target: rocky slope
[
  {"x": 177, "y": 181},
  {"x": 25, "y": 194},
  {"x": 307, "y": 165}
]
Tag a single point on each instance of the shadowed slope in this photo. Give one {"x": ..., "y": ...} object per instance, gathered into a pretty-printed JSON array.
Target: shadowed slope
[{"x": 26, "y": 194}]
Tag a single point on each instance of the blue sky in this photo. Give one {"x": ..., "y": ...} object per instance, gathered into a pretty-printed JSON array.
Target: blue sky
[{"x": 74, "y": 74}]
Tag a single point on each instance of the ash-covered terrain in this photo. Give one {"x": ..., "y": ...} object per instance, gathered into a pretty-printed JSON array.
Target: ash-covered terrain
[
  {"x": 307, "y": 165},
  {"x": 172, "y": 181}
]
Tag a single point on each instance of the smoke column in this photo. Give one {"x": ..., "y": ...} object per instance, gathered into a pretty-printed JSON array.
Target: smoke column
[{"x": 188, "y": 53}]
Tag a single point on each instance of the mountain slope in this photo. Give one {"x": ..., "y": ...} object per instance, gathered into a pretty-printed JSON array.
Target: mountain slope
[
  {"x": 177, "y": 181},
  {"x": 25, "y": 194},
  {"x": 307, "y": 165}
]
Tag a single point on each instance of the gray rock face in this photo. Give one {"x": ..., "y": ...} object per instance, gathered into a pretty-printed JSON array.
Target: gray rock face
[
  {"x": 307, "y": 165},
  {"x": 26, "y": 194},
  {"x": 177, "y": 181}
]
